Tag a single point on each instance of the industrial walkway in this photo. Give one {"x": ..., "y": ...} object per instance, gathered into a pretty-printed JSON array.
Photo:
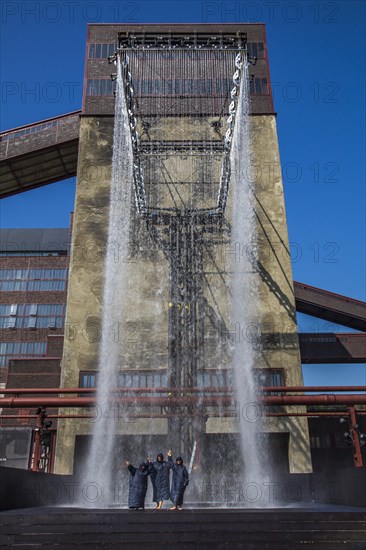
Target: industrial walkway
[{"x": 38, "y": 154}]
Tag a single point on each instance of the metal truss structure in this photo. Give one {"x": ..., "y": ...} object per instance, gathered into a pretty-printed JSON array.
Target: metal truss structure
[{"x": 182, "y": 230}]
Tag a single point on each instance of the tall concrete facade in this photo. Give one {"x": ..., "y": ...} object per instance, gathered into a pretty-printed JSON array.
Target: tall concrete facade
[{"x": 149, "y": 348}]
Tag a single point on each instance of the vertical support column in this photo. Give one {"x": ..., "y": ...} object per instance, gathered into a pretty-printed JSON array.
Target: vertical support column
[
  {"x": 174, "y": 328},
  {"x": 41, "y": 415},
  {"x": 186, "y": 337},
  {"x": 356, "y": 444}
]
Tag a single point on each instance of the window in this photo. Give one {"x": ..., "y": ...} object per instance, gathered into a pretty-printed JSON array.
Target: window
[
  {"x": 259, "y": 86},
  {"x": 256, "y": 49},
  {"x": 10, "y": 315},
  {"x": 51, "y": 323},
  {"x": 13, "y": 279},
  {"x": 9, "y": 350},
  {"x": 31, "y": 322},
  {"x": 143, "y": 379},
  {"x": 269, "y": 377},
  {"x": 323, "y": 441},
  {"x": 99, "y": 51},
  {"x": 88, "y": 380},
  {"x": 33, "y": 309},
  {"x": 11, "y": 322},
  {"x": 100, "y": 87}
]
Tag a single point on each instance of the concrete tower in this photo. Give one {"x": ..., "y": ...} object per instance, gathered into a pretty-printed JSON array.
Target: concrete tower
[{"x": 176, "y": 320}]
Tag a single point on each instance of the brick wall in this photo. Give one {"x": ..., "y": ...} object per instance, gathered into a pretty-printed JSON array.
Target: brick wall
[{"x": 33, "y": 297}]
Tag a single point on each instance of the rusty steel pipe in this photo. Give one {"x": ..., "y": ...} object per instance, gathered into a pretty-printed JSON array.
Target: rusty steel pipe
[
  {"x": 285, "y": 400},
  {"x": 208, "y": 414},
  {"x": 264, "y": 389}
]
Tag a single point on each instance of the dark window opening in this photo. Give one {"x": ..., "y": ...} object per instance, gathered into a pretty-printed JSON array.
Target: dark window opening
[
  {"x": 101, "y": 51},
  {"x": 256, "y": 49},
  {"x": 102, "y": 87},
  {"x": 259, "y": 86}
]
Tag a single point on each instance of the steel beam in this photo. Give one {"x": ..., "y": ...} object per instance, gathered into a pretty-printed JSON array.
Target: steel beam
[{"x": 330, "y": 306}]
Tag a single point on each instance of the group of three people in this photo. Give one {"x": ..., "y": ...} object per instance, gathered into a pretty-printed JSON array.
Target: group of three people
[{"x": 159, "y": 472}]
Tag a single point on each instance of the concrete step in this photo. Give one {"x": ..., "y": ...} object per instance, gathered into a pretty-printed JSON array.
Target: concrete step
[{"x": 276, "y": 529}]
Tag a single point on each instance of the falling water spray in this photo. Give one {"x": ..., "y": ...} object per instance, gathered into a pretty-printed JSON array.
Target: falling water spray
[
  {"x": 100, "y": 464},
  {"x": 245, "y": 288}
]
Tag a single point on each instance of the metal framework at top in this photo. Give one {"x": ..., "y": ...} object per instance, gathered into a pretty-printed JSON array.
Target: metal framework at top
[
  {"x": 175, "y": 40},
  {"x": 179, "y": 41}
]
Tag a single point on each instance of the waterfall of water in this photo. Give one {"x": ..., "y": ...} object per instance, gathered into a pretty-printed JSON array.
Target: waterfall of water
[
  {"x": 244, "y": 289},
  {"x": 99, "y": 466}
]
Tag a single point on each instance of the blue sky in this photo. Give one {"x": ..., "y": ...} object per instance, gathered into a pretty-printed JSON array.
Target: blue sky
[{"x": 317, "y": 62}]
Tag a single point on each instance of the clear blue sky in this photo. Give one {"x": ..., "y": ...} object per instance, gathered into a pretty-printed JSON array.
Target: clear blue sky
[{"x": 317, "y": 62}]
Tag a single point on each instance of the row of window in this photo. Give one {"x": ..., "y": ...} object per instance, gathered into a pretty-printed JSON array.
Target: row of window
[
  {"x": 6, "y": 274},
  {"x": 31, "y": 309},
  {"x": 32, "y": 315},
  {"x": 27, "y": 253},
  {"x": 9, "y": 350},
  {"x": 30, "y": 130},
  {"x": 177, "y": 87},
  {"x": 32, "y": 322},
  {"x": 100, "y": 87},
  {"x": 159, "y": 379},
  {"x": 33, "y": 279},
  {"x": 100, "y": 51}
]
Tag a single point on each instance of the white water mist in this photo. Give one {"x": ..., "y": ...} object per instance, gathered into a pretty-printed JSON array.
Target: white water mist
[
  {"x": 244, "y": 287},
  {"x": 99, "y": 467}
]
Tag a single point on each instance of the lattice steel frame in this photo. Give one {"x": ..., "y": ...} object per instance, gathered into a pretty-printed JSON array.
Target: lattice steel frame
[{"x": 186, "y": 227}]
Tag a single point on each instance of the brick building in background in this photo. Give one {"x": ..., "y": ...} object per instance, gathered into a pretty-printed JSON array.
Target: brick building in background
[{"x": 33, "y": 292}]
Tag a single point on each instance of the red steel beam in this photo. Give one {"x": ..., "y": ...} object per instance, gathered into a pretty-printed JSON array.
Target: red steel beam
[
  {"x": 329, "y": 347},
  {"x": 330, "y": 306}
]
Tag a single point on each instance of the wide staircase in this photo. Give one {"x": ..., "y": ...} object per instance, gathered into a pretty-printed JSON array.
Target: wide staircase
[{"x": 321, "y": 528}]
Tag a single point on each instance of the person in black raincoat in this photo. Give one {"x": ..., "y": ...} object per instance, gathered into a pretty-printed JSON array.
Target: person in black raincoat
[
  {"x": 179, "y": 483},
  {"x": 160, "y": 479},
  {"x": 138, "y": 486}
]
